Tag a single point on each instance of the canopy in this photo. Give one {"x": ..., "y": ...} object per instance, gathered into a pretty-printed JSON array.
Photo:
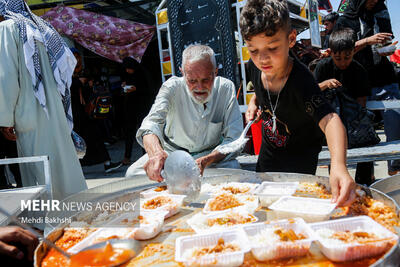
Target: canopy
[{"x": 110, "y": 37}]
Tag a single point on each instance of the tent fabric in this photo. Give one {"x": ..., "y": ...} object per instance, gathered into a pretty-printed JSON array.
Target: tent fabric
[{"x": 110, "y": 37}]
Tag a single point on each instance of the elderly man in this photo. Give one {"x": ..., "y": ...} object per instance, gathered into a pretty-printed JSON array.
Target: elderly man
[{"x": 197, "y": 113}]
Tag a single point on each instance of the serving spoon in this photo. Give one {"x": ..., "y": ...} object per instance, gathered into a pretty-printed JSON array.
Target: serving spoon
[{"x": 237, "y": 144}]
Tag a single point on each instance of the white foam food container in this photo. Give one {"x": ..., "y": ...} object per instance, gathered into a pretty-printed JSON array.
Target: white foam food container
[
  {"x": 185, "y": 245},
  {"x": 310, "y": 209},
  {"x": 268, "y": 248},
  {"x": 250, "y": 203},
  {"x": 340, "y": 251},
  {"x": 199, "y": 221},
  {"x": 269, "y": 192},
  {"x": 153, "y": 192},
  {"x": 172, "y": 208}
]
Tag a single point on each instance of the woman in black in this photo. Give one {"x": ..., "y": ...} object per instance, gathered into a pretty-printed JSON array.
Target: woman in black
[{"x": 135, "y": 87}]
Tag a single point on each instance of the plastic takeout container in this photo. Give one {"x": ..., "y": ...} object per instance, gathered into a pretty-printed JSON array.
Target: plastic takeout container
[
  {"x": 310, "y": 209},
  {"x": 171, "y": 208},
  {"x": 126, "y": 225},
  {"x": 269, "y": 192},
  {"x": 199, "y": 222},
  {"x": 103, "y": 234},
  {"x": 250, "y": 203},
  {"x": 149, "y": 193},
  {"x": 352, "y": 251},
  {"x": 273, "y": 250},
  {"x": 186, "y": 243},
  {"x": 248, "y": 187},
  {"x": 152, "y": 225}
]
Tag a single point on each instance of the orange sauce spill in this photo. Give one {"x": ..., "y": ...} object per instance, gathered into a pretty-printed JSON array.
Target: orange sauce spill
[{"x": 106, "y": 256}]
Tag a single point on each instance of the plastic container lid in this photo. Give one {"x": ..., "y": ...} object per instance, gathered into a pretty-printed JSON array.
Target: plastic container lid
[
  {"x": 199, "y": 222},
  {"x": 237, "y": 237},
  {"x": 269, "y": 192},
  {"x": 310, "y": 209},
  {"x": 340, "y": 251},
  {"x": 274, "y": 249}
]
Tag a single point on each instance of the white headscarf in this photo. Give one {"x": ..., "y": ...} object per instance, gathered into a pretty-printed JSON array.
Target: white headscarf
[{"x": 33, "y": 29}]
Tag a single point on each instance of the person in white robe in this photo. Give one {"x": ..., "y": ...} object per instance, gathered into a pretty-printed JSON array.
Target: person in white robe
[
  {"x": 197, "y": 113},
  {"x": 35, "y": 75}
]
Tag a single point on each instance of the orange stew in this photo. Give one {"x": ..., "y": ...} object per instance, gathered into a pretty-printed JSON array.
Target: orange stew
[{"x": 106, "y": 256}]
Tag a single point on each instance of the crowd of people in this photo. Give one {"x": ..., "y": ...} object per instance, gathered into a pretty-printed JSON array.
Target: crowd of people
[{"x": 45, "y": 93}]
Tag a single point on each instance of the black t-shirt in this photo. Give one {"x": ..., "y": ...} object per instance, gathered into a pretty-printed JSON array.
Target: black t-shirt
[
  {"x": 295, "y": 145},
  {"x": 354, "y": 79}
]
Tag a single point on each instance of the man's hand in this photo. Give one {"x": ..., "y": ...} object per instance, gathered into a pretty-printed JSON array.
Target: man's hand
[
  {"x": 154, "y": 165},
  {"x": 342, "y": 186},
  {"x": 9, "y": 133},
  {"x": 331, "y": 83},
  {"x": 207, "y": 160},
  {"x": 379, "y": 38},
  {"x": 202, "y": 163},
  {"x": 11, "y": 235}
]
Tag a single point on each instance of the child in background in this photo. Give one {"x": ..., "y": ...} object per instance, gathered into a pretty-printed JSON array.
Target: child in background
[
  {"x": 340, "y": 70},
  {"x": 292, "y": 106}
]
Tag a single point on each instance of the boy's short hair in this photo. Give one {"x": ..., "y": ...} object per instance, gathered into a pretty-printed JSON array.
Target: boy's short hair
[
  {"x": 331, "y": 17},
  {"x": 264, "y": 16},
  {"x": 342, "y": 40}
]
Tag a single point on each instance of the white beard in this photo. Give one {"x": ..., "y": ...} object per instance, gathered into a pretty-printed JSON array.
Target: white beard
[{"x": 199, "y": 101}]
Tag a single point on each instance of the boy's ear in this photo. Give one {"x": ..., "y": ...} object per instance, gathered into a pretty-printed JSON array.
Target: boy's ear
[{"x": 292, "y": 38}]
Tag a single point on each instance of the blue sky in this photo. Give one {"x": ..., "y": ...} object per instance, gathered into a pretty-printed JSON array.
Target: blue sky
[{"x": 394, "y": 10}]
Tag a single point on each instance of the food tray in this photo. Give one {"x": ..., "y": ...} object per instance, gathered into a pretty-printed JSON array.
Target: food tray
[
  {"x": 236, "y": 236},
  {"x": 310, "y": 209},
  {"x": 347, "y": 252},
  {"x": 172, "y": 209},
  {"x": 250, "y": 204},
  {"x": 274, "y": 250},
  {"x": 198, "y": 222},
  {"x": 269, "y": 192}
]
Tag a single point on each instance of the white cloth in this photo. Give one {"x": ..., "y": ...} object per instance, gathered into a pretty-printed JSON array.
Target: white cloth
[
  {"x": 175, "y": 116},
  {"x": 37, "y": 133}
]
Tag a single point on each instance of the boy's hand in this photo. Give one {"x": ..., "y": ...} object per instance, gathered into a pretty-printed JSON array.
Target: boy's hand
[
  {"x": 342, "y": 187},
  {"x": 331, "y": 83},
  {"x": 253, "y": 112}
]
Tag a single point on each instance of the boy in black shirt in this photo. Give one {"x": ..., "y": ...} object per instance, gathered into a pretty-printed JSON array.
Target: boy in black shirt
[
  {"x": 292, "y": 106},
  {"x": 340, "y": 70}
]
